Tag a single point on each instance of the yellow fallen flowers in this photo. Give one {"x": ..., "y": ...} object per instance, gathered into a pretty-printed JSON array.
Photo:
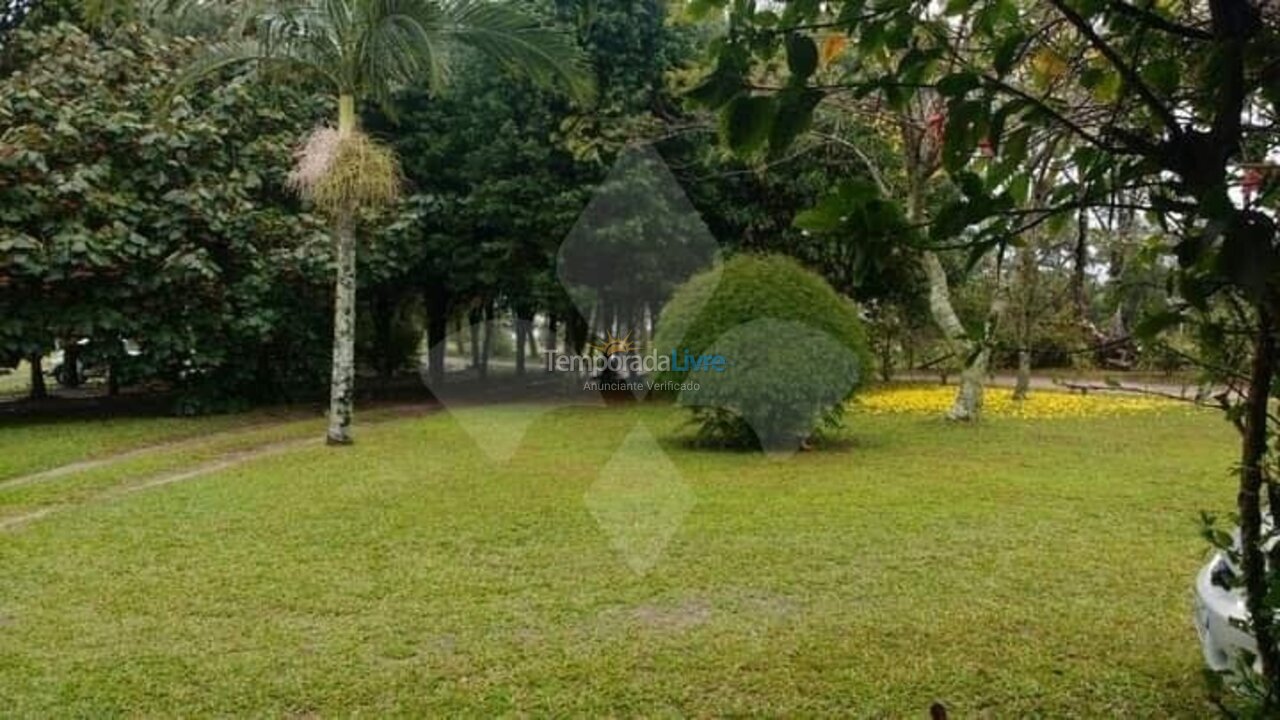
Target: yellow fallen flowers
[{"x": 998, "y": 402}]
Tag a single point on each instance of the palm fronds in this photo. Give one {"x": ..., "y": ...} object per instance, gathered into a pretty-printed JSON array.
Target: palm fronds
[
  {"x": 508, "y": 35},
  {"x": 371, "y": 48}
]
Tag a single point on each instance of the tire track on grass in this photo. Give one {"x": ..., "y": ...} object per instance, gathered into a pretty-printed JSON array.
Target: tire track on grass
[
  {"x": 168, "y": 477},
  {"x": 79, "y": 466},
  {"x": 116, "y": 458},
  {"x": 217, "y": 464}
]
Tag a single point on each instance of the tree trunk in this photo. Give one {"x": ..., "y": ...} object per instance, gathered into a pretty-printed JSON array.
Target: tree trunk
[
  {"x": 71, "y": 365},
  {"x": 968, "y": 402},
  {"x": 1252, "y": 476},
  {"x": 575, "y": 334},
  {"x": 550, "y": 344},
  {"x": 522, "y": 338},
  {"x": 1079, "y": 294},
  {"x": 1023, "y": 384},
  {"x": 39, "y": 390},
  {"x": 940, "y": 302},
  {"x": 343, "y": 380},
  {"x": 342, "y": 385},
  {"x": 886, "y": 363},
  {"x": 436, "y": 299},
  {"x": 475, "y": 318},
  {"x": 1026, "y": 284},
  {"x": 884, "y": 345},
  {"x": 532, "y": 349},
  {"x": 113, "y": 379},
  {"x": 486, "y": 346}
]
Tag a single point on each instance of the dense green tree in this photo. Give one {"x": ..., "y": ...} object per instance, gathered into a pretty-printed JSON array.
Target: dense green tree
[
  {"x": 363, "y": 50},
  {"x": 116, "y": 223},
  {"x": 1171, "y": 110}
]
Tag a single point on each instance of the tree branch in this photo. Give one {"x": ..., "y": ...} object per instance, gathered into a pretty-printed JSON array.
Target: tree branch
[
  {"x": 1058, "y": 117},
  {"x": 1158, "y": 22},
  {"x": 1126, "y": 70}
]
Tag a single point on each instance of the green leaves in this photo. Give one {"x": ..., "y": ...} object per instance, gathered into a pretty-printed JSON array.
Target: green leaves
[
  {"x": 793, "y": 118},
  {"x": 833, "y": 210},
  {"x": 1248, "y": 258},
  {"x": 1008, "y": 49},
  {"x": 1151, "y": 326},
  {"x": 855, "y": 206},
  {"x": 968, "y": 122},
  {"x": 747, "y": 120},
  {"x": 505, "y": 32},
  {"x": 957, "y": 84},
  {"x": 751, "y": 121},
  {"x": 802, "y": 57},
  {"x": 867, "y": 236},
  {"x": 721, "y": 86},
  {"x": 133, "y": 226},
  {"x": 1162, "y": 74}
]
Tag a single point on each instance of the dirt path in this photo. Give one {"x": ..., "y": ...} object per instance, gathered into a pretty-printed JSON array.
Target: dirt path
[{"x": 1039, "y": 382}]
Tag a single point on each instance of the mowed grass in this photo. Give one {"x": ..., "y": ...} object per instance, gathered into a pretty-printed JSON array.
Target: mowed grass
[
  {"x": 1021, "y": 567},
  {"x": 33, "y": 446},
  {"x": 17, "y": 381}
]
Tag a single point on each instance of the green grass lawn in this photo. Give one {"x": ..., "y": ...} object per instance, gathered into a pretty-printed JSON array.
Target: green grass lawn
[
  {"x": 1010, "y": 569},
  {"x": 34, "y": 446},
  {"x": 17, "y": 382}
]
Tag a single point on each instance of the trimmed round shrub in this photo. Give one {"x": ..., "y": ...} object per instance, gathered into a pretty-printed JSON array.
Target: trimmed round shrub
[{"x": 763, "y": 351}]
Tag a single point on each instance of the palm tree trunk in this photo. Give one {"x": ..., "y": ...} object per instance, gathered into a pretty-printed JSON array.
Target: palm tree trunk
[
  {"x": 342, "y": 386},
  {"x": 343, "y": 381}
]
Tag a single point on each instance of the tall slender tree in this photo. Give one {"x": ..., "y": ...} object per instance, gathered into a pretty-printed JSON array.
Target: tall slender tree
[{"x": 364, "y": 50}]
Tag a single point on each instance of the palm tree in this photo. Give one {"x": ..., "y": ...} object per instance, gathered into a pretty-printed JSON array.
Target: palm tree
[{"x": 364, "y": 50}]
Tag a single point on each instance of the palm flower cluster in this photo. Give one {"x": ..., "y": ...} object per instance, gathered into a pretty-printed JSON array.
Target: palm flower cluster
[{"x": 339, "y": 173}]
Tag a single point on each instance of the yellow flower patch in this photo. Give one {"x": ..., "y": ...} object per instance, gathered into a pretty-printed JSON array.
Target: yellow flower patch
[{"x": 998, "y": 402}]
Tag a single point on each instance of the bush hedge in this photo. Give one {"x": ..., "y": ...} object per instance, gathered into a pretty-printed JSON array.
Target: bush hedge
[{"x": 794, "y": 350}]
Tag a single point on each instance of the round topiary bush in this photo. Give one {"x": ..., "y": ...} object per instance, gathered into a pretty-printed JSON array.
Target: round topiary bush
[{"x": 763, "y": 350}]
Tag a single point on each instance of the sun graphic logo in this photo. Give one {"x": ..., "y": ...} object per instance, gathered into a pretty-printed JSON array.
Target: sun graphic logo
[{"x": 611, "y": 345}]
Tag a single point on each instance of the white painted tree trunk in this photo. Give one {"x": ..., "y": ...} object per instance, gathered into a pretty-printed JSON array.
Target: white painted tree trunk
[{"x": 342, "y": 386}]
